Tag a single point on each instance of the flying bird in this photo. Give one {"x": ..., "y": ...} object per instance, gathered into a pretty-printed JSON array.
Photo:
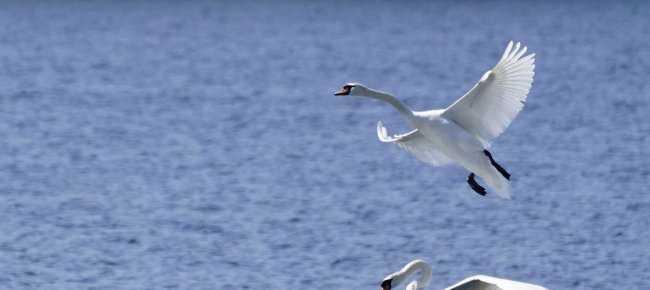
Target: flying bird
[
  {"x": 478, "y": 282},
  {"x": 463, "y": 132}
]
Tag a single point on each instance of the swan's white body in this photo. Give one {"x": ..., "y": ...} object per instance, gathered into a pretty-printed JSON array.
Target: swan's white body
[
  {"x": 478, "y": 282},
  {"x": 461, "y": 132}
]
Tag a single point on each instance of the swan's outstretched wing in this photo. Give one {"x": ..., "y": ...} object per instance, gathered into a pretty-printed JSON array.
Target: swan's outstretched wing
[
  {"x": 415, "y": 143},
  {"x": 489, "y": 107},
  {"x": 482, "y": 282}
]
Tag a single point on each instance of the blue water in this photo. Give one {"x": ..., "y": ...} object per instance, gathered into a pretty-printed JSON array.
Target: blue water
[{"x": 197, "y": 145}]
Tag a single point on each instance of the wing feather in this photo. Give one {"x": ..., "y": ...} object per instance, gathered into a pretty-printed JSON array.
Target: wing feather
[
  {"x": 483, "y": 282},
  {"x": 474, "y": 284},
  {"x": 416, "y": 144},
  {"x": 491, "y": 105}
]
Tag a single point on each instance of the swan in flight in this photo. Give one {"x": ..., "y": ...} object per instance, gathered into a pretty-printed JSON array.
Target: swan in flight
[
  {"x": 462, "y": 132},
  {"x": 478, "y": 282}
]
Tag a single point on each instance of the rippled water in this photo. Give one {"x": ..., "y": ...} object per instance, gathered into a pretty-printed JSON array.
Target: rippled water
[{"x": 197, "y": 145}]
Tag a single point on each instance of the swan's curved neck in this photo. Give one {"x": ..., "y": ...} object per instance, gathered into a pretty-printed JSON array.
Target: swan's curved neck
[
  {"x": 396, "y": 103},
  {"x": 414, "y": 267}
]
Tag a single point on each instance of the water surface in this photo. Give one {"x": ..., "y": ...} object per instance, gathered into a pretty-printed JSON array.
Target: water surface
[{"x": 197, "y": 145}]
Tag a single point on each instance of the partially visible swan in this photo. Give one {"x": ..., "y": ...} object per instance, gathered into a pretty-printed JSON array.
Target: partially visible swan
[
  {"x": 462, "y": 132},
  {"x": 478, "y": 282}
]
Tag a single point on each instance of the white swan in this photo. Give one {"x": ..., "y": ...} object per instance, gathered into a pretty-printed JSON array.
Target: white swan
[
  {"x": 462, "y": 132},
  {"x": 478, "y": 282}
]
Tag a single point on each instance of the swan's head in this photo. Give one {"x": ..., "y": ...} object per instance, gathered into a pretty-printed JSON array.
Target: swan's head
[
  {"x": 391, "y": 281},
  {"x": 352, "y": 89},
  {"x": 387, "y": 284}
]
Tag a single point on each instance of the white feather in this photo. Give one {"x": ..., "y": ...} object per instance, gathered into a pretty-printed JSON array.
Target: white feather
[
  {"x": 416, "y": 144},
  {"x": 483, "y": 282},
  {"x": 491, "y": 105}
]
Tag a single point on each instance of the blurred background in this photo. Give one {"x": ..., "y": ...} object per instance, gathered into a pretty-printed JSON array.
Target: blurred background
[{"x": 198, "y": 144}]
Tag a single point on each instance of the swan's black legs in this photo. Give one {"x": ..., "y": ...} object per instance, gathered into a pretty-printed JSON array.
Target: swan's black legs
[
  {"x": 475, "y": 186},
  {"x": 497, "y": 166},
  {"x": 472, "y": 181}
]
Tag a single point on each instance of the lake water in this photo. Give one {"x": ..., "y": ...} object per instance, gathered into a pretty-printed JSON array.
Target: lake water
[{"x": 197, "y": 145}]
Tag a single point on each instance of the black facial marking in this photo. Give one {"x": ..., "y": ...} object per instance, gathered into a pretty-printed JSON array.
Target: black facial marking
[
  {"x": 387, "y": 284},
  {"x": 344, "y": 91}
]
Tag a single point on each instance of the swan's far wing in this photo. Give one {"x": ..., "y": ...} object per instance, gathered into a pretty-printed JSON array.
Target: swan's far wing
[
  {"x": 474, "y": 284},
  {"x": 483, "y": 282},
  {"x": 416, "y": 144},
  {"x": 489, "y": 107}
]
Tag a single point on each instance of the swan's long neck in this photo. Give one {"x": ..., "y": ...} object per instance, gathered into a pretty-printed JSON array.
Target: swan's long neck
[
  {"x": 414, "y": 267},
  {"x": 396, "y": 103}
]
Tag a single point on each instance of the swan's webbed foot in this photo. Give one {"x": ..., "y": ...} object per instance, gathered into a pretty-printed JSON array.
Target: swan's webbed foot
[
  {"x": 475, "y": 186},
  {"x": 497, "y": 166}
]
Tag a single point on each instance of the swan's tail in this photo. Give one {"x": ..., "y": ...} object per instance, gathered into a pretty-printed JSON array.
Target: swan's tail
[
  {"x": 499, "y": 183},
  {"x": 499, "y": 177},
  {"x": 483, "y": 165}
]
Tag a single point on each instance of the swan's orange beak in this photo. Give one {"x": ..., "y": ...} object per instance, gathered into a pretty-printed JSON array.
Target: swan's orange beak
[{"x": 342, "y": 92}]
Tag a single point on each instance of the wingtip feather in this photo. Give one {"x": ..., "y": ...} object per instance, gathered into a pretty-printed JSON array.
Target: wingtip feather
[{"x": 506, "y": 52}]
